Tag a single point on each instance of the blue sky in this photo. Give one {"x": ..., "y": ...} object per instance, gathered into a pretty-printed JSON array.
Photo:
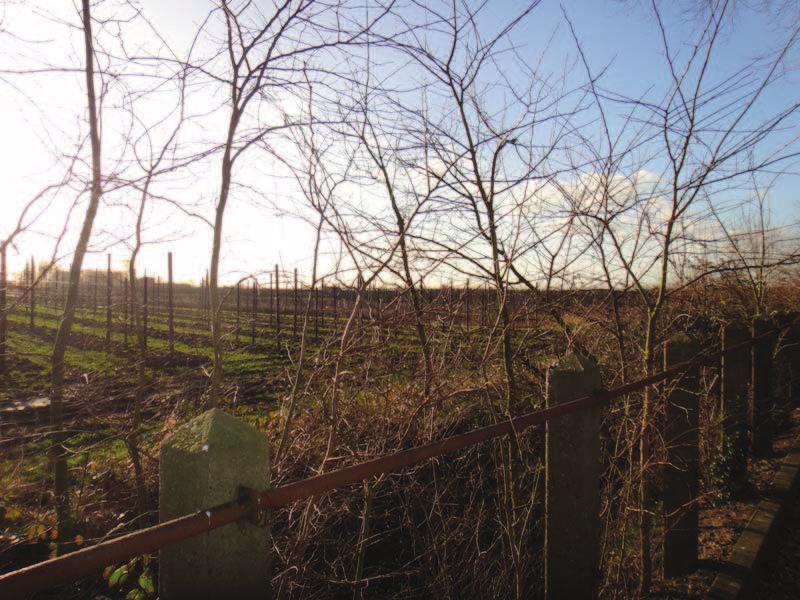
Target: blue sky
[
  {"x": 623, "y": 35},
  {"x": 620, "y": 34}
]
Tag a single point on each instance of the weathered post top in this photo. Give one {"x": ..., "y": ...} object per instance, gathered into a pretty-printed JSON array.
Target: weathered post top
[{"x": 203, "y": 464}]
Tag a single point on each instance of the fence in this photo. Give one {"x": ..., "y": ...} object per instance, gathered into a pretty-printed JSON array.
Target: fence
[
  {"x": 263, "y": 307},
  {"x": 571, "y": 395}
]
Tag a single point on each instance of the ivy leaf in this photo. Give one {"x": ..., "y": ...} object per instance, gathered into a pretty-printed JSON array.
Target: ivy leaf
[
  {"x": 36, "y": 531},
  {"x": 11, "y": 514},
  {"x": 146, "y": 583},
  {"x": 119, "y": 576}
]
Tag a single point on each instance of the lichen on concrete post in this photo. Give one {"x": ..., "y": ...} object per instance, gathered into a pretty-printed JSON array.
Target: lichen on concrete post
[
  {"x": 203, "y": 464},
  {"x": 681, "y": 473},
  {"x": 572, "y": 483}
]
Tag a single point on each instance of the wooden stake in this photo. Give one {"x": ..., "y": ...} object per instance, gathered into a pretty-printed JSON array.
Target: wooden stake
[
  {"x": 144, "y": 314},
  {"x": 238, "y": 307},
  {"x": 108, "y": 299},
  {"x": 254, "y": 294},
  {"x": 277, "y": 306},
  {"x": 294, "y": 307},
  {"x": 33, "y": 295},
  {"x": 125, "y": 311},
  {"x": 3, "y": 319},
  {"x": 170, "y": 304}
]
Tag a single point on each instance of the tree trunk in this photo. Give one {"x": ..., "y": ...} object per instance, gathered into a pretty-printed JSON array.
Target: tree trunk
[
  {"x": 3, "y": 318},
  {"x": 58, "y": 437}
]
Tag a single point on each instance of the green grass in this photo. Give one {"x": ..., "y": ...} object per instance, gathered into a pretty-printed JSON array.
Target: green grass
[
  {"x": 241, "y": 364},
  {"x": 38, "y": 352},
  {"x": 242, "y": 361}
]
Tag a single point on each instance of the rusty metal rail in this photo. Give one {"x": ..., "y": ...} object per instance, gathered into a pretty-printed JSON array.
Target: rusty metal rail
[{"x": 69, "y": 567}]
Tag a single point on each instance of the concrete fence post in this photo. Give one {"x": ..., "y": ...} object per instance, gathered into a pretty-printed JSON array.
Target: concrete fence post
[
  {"x": 734, "y": 385},
  {"x": 204, "y": 463},
  {"x": 793, "y": 349},
  {"x": 468, "y": 302},
  {"x": 787, "y": 363},
  {"x": 760, "y": 408},
  {"x": 109, "y": 299},
  {"x": 681, "y": 473},
  {"x": 572, "y": 483}
]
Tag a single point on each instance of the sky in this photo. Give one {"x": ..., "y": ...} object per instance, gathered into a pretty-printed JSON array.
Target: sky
[{"x": 40, "y": 115}]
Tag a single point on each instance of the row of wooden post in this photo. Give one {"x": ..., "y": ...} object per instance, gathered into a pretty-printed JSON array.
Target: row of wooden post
[
  {"x": 30, "y": 287},
  {"x": 317, "y": 305}
]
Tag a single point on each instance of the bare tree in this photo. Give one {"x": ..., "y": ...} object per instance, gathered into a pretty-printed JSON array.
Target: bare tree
[
  {"x": 58, "y": 452},
  {"x": 262, "y": 53},
  {"x": 712, "y": 132},
  {"x": 494, "y": 166},
  {"x": 31, "y": 212},
  {"x": 154, "y": 156},
  {"x": 759, "y": 252}
]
